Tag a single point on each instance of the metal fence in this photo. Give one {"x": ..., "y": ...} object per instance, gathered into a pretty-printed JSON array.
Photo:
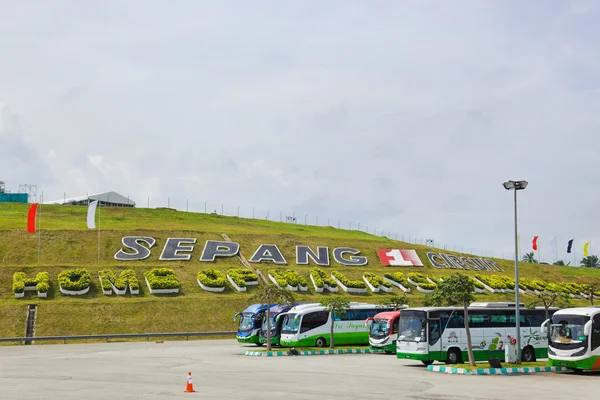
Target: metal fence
[{"x": 147, "y": 336}]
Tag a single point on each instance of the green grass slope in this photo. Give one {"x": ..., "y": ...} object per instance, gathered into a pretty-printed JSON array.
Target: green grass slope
[{"x": 67, "y": 243}]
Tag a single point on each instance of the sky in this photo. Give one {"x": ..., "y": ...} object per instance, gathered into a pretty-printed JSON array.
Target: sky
[{"x": 403, "y": 116}]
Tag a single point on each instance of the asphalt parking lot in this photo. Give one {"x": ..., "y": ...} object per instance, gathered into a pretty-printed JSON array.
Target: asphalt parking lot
[{"x": 159, "y": 371}]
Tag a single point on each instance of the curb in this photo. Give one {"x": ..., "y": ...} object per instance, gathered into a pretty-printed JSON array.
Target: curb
[
  {"x": 494, "y": 371},
  {"x": 309, "y": 352}
]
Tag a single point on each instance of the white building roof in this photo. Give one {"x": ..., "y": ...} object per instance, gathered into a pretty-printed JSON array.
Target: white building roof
[{"x": 106, "y": 197}]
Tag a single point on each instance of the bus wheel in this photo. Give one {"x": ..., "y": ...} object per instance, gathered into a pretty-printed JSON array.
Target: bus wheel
[
  {"x": 427, "y": 363},
  {"x": 454, "y": 357},
  {"x": 577, "y": 370},
  {"x": 528, "y": 354},
  {"x": 321, "y": 342},
  {"x": 259, "y": 344}
]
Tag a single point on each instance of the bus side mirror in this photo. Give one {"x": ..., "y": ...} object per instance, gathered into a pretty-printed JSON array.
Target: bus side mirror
[
  {"x": 235, "y": 316},
  {"x": 368, "y": 321},
  {"x": 545, "y": 326},
  {"x": 587, "y": 328}
]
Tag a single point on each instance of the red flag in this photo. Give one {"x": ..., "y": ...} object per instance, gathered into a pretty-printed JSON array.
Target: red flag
[
  {"x": 31, "y": 218},
  {"x": 535, "y": 238}
]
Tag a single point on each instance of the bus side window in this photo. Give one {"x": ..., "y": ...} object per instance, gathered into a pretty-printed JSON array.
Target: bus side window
[{"x": 596, "y": 332}]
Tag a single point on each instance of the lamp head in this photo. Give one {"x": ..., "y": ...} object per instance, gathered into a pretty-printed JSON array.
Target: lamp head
[{"x": 516, "y": 185}]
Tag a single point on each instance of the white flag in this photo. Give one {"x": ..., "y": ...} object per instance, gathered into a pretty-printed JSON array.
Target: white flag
[
  {"x": 553, "y": 243},
  {"x": 91, "y": 217}
]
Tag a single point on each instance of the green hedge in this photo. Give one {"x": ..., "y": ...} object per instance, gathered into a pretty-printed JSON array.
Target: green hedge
[
  {"x": 376, "y": 280},
  {"x": 41, "y": 282},
  {"x": 241, "y": 275},
  {"x": 321, "y": 278},
  {"x": 427, "y": 285},
  {"x": 289, "y": 277},
  {"x": 162, "y": 278},
  {"x": 347, "y": 282},
  {"x": 417, "y": 277},
  {"x": 121, "y": 281},
  {"x": 398, "y": 277},
  {"x": 212, "y": 278},
  {"x": 75, "y": 279}
]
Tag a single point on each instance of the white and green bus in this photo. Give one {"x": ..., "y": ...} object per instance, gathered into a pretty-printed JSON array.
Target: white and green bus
[
  {"x": 309, "y": 325},
  {"x": 574, "y": 338},
  {"x": 431, "y": 334}
]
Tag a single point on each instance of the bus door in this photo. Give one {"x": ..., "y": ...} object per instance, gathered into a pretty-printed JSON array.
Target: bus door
[{"x": 434, "y": 337}]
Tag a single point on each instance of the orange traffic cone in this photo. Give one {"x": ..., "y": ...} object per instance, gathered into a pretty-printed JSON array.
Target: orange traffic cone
[{"x": 189, "y": 387}]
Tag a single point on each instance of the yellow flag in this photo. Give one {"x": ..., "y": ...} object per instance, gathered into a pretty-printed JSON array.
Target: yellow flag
[{"x": 585, "y": 249}]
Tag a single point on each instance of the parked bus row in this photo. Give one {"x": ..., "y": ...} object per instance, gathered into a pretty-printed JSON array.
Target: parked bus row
[{"x": 570, "y": 338}]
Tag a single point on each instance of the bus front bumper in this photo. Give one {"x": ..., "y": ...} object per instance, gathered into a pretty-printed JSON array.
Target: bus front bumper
[{"x": 248, "y": 339}]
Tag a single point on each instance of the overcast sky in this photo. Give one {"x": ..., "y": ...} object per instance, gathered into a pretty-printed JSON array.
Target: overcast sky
[{"x": 401, "y": 115}]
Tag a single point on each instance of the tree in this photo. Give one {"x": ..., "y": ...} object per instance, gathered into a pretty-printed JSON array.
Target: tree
[
  {"x": 456, "y": 291},
  {"x": 530, "y": 258},
  {"x": 396, "y": 302},
  {"x": 269, "y": 294},
  {"x": 591, "y": 288},
  {"x": 590, "y": 262},
  {"x": 336, "y": 305},
  {"x": 552, "y": 295},
  {"x": 562, "y": 263}
]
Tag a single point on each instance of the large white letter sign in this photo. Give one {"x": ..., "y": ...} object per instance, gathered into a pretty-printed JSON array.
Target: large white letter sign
[
  {"x": 268, "y": 252},
  {"x": 173, "y": 247},
  {"x": 354, "y": 259},
  {"x": 134, "y": 243},
  {"x": 304, "y": 252},
  {"x": 214, "y": 248}
]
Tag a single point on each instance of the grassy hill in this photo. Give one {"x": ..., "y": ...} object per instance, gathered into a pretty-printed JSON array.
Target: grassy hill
[{"x": 67, "y": 243}]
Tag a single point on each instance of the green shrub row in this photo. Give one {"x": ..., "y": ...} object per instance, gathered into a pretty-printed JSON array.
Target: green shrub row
[
  {"x": 376, "y": 280},
  {"x": 41, "y": 282},
  {"x": 241, "y": 275},
  {"x": 398, "y": 277},
  {"x": 347, "y": 282},
  {"x": 427, "y": 285},
  {"x": 127, "y": 276},
  {"x": 212, "y": 278},
  {"x": 162, "y": 278},
  {"x": 289, "y": 277},
  {"x": 75, "y": 279},
  {"x": 497, "y": 282},
  {"x": 417, "y": 277},
  {"x": 321, "y": 278}
]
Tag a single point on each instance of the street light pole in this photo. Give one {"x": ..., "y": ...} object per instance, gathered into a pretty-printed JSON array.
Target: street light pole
[{"x": 517, "y": 185}]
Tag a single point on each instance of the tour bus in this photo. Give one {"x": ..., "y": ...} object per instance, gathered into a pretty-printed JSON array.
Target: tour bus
[
  {"x": 574, "y": 338},
  {"x": 431, "y": 334},
  {"x": 275, "y": 324},
  {"x": 384, "y": 331},
  {"x": 250, "y": 323},
  {"x": 310, "y": 325}
]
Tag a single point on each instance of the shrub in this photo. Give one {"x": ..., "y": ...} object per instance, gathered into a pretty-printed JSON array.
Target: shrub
[
  {"x": 162, "y": 278},
  {"x": 43, "y": 287},
  {"x": 75, "y": 279},
  {"x": 397, "y": 277},
  {"x": 417, "y": 277},
  {"x": 129, "y": 275},
  {"x": 295, "y": 279},
  {"x": 279, "y": 278},
  {"x": 427, "y": 286},
  {"x": 241, "y": 275},
  {"x": 212, "y": 278},
  {"x": 18, "y": 287},
  {"x": 321, "y": 277},
  {"x": 375, "y": 280},
  {"x": 478, "y": 285},
  {"x": 108, "y": 277},
  {"x": 347, "y": 282}
]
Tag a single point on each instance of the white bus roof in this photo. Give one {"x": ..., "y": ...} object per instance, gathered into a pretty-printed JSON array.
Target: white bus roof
[
  {"x": 588, "y": 311},
  {"x": 304, "y": 308}
]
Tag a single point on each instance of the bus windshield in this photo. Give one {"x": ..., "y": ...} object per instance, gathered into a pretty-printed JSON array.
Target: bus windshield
[
  {"x": 412, "y": 326},
  {"x": 567, "y": 331},
  {"x": 246, "y": 322},
  {"x": 290, "y": 324},
  {"x": 380, "y": 328},
  {"x": 273, "y": 323}
]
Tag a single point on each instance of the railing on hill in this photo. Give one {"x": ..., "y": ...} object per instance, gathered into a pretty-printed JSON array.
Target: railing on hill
[{"x": 107, "y": 337}]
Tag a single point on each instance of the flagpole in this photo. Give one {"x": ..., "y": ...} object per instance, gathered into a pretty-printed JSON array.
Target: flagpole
[
  {"x": 39, "y": 212},
  {"x": 98, "y": 211}
]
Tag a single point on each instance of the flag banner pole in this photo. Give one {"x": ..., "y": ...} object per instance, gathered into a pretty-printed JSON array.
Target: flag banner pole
[
  {"x": 39, "y": 212},
  {"x": 98, "y": 211}
]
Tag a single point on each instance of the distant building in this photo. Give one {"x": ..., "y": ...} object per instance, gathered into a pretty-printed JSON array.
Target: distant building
[
  {"x": 107, "y": 199},
  {"x": 11, "y": 197}
]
